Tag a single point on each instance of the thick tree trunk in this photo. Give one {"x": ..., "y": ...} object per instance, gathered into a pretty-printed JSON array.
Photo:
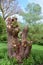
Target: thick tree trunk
[{"x": 17, "y": 49}]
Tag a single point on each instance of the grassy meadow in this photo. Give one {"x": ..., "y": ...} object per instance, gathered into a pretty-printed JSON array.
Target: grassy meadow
[{"x": 36, "y": 56}]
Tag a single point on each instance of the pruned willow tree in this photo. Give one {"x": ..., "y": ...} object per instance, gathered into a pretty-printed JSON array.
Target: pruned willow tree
[{"x": 9, "y": 7}]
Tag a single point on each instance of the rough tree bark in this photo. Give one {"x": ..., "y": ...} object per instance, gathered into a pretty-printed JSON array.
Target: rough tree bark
[{"x": 18, "y": 49}]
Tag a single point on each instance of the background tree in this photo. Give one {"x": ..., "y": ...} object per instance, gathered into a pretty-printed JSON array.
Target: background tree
[
  {"x": 33, "y": 13},
  {"x": 9, "y": 7}
]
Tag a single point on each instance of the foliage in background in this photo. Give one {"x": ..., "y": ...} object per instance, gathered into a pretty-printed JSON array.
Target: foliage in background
[
  {"x": 3, "y": 35},
  {"x": 36, "y": 33}
]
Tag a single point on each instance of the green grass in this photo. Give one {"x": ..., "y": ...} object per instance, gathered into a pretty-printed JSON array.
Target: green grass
[
  {"x": 37, "y": 47},
  {"x": 35, "y": 57},
  {"x": 3, "y": 45}
]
